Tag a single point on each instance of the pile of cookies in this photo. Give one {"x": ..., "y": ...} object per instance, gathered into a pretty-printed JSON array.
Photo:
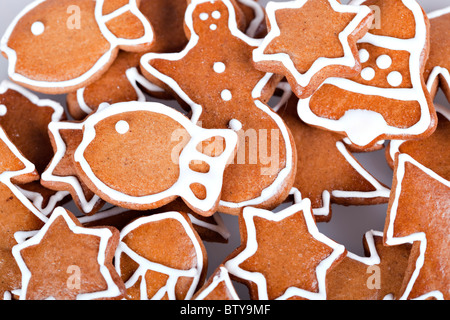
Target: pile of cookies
[{"x": 274, "y": 102}]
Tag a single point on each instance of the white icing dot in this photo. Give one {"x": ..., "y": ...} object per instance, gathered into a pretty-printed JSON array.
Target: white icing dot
[
  {"x": 204, "y": 16},
  {"x": 395, "y": 78},
  {"x": 219, "y": 67},
  {"x": 364, "y": 55},
  {"x": 3, "y": 110},
  {"x": 37, "y": 28},
  {"x": 122, "y": 127},
  {"x": 368, "y": 74},
  {"x": 226, "y": 95},
  {"x": 384, "y": 61},
  {"x": 235, "y": 125},
  {"x": 216, "y": 15},
  {"x": 213, "y": 27}
]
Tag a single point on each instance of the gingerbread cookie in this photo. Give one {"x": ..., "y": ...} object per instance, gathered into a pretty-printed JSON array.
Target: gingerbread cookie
[
  {"x": 142, "y": 156},
  {"x": 283, "y": 255},
  {"x": 65, "y": 261},
  {"x": 437, "y": 72},
  {"x": 327, "y": 171},
  {"x": 61, "y": 174},
  {"x": 157, "y": 265},
  {"x": 17, "y": 213},
  {"x": 121, "y": 83},
  {"x": 377, "y": 276},
  {"x": 31, "y": 137},
  {"x": 210, "y": 229},
  {"x": 218, "y": 287},
  {"x": 328, "y": 35},
  {"x": 56, "y": 46},
  {"x": 432, "y": 152},
  {"x": 263, "y": 169},
  {"x": 389, "y": 98},
  {"x": 418, "y": 214}
]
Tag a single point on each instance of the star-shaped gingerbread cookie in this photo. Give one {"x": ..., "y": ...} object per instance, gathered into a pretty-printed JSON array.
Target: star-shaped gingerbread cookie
[
  {"x": 327, "y": 172},
  {"x": 31, "y": 137},
  {"x": 65, "y": 261},
  {"x": 437, "y": 69},
  {"x": 283, "y": 255},
  {"x": 227, "y": 91},
  {"x": 312, "y": 40},
  {"x": 61, "y": 174},
  {"x": 17, "y": 213},
  {"x": 418, "y": 214}
]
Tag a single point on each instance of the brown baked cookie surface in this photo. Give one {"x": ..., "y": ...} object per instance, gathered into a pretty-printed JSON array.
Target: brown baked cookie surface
[
  {"x": 263, "y": 169},
  {"x": 310, "y": 41}
]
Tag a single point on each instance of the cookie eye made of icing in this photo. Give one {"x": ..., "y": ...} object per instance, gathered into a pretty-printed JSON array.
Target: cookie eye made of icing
[
  {"x": 122, "y": 127},
  {"x": 37, "y": 28}
]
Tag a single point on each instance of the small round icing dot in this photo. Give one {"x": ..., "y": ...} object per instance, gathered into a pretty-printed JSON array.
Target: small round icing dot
[
  {"x": 3, "y": 110},
  {"x": 395, "y": 78},
  {"x": 219, "y": 67},
  {"x": 235, "y": 125},
  {"x": 204, "y": 16},
  {"x": 213, "y": 27},
  {"x": 122, "y": 127},
  {"x": 384, "y": 61},
  {"x": 364, "y": 55},
  {"x": 368, "y": 74},
  {"x": 226, "y": 95},
  {"x": 37, "y": 28},
  {"x": 216, "y": 15}
]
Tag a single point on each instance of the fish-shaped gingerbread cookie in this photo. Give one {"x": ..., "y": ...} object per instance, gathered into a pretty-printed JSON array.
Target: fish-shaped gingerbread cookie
[
  {"x": 59, "y": 46},
  {"x": 143, "y": 155}
]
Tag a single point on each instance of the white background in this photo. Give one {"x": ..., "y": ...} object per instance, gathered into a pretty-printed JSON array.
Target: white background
[{"x": 348, "y": 224}]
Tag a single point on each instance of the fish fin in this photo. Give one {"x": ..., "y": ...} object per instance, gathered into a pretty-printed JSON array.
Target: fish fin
[{"x": 126, "y": 26}]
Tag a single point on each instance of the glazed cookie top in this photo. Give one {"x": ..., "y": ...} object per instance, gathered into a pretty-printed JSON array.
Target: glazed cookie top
[
  {"x": 232, "y": 96},
  {"x": 273, "y": 270},
  {"x": 172, "y": 267},
  {"x": 418, "y": 213},
  {"x": 54, "y": 46},
  {"x": 329, "y": 31},
  {"x": 389, "y": 98},
  {"x": 66, "y": 261}
]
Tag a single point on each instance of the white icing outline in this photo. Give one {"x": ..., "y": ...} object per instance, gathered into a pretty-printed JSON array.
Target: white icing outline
[
  {"x": 104, "y": 235},
  {"x": 251, "y": 248},
  {"x": 135, "y": 79},
  {"x": 211, "y": 180},
  {"x": 304, "y": 79},
  {"x": 37, "y": 199},
  {"x": 198, "y": 109},
  {"x": 98, "y": 66},
  {"x": 146, "y": 265},
  {"x": 6, "y": 176},
  {"x": 438, "y": 13},
  {"x": 394, "y": 145},
  {"x": 222, "y": 276},
  {"x": 194, "y": 38},
  {"x": 260, "y": 16},
  {"x": 219, "y": 228},
  {"x": 374, "y": 125},
  {"x": 54, "y": 128},
  {"x": 418, "y": 236},
  {"x": 58, "y": 111}
]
